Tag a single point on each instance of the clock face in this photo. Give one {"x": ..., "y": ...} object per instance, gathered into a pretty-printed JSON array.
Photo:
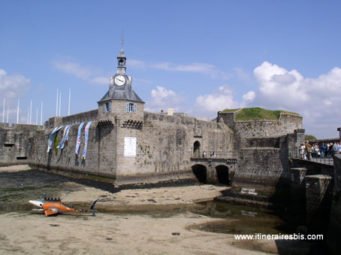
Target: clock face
[{"x": 120, "y": 80}]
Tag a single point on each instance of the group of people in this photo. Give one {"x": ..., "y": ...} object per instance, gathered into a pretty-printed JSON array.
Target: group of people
[{"x": 317, "y": 150}]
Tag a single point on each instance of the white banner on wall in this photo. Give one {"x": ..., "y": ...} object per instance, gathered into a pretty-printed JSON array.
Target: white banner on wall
[{"x": 130, "y": 146}]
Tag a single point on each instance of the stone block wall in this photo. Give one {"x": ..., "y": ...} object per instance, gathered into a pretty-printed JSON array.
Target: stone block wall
[
  {"x": 259, "y": 166},
  {"x": 165, "y": 146},
  {"x": 72, "y": 119},
  {"x": 286, "y": 124},
  {"x": 264, "y": 161},
  {"x": 99, "y": 157},
  {"x": 318, "y": 189},
  {"x": 334, "y": 231},
  {"x": 101, "y": 151},
  {"x": 14, "y": 142},
  {"x": 263, "y": 147}
]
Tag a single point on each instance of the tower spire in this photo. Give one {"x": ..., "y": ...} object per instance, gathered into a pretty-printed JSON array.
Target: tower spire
[
  {"x": 122, "y": 41},
  {"x": 121, "y": 58}
]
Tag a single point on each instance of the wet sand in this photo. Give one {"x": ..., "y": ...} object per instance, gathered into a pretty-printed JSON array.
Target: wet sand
[{"x": 124, "y": 232}]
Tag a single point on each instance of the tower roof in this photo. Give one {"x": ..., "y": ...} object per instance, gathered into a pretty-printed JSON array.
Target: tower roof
[{"x": 125, "y": 94}]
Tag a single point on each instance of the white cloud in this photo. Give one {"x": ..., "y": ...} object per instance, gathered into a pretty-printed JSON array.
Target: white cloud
[
  {"x": 217, "y": 101},
  {"x": 74, "y": 69},
  {"x": 162, "y": 93},
  {"x": 12, "y": 86},
  {"x": 200, "y": 68},
  {"x": 136, "y": 63},
  {"x": 84, "y": 73},
  {"x": 102, "y": 80},
  {"x": 275, "y": 82},
  {"x": 163, "y": 98},
  {"x": 222, "y": 99},
  {"x": 317, "y": 99},
  {"x": 249, "y": 97}
]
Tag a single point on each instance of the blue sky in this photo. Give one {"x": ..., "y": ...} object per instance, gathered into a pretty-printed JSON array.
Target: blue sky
[{"x": 197, "y": 56}]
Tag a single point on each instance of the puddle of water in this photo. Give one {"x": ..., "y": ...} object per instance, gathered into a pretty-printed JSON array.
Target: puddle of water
[
  {"x": 16, "y": 188},
  {"x": 236, "y": 219}
]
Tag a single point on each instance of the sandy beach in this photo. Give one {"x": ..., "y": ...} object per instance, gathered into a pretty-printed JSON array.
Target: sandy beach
[{"x": 122, "y": 231}]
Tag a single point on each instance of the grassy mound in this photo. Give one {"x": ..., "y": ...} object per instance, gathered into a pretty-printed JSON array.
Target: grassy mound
[{"x": 256, "y": 113}]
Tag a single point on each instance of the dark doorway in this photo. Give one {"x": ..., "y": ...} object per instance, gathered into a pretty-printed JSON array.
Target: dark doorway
[
  {"x": 223, "y": 175},
  {"x": 196, "y": 149},
  {"x": 200, "y": 173}
]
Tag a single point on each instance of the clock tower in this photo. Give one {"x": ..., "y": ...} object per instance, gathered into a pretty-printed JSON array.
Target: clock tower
[
  {"x": 121, "y": 100},
  {"x": 120, "y": 121}
]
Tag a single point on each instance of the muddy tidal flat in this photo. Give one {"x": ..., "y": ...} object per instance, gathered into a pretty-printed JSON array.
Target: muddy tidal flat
[{"x": 165, "y": 220}]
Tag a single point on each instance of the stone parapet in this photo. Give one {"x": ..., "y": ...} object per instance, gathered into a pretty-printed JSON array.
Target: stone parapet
[{"x": 317, "y": 187}]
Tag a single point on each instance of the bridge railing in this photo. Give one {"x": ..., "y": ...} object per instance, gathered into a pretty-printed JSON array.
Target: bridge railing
[
  {"x": 214, "y": 154},
  {"x": 314, "y": 157}
]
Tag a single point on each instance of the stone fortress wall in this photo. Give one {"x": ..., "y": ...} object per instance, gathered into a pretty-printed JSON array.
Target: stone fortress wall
[
  {"x": 165, "y": 147},
  {"x": 128, "y": 145},
  {"x": 263, "y": 147},
  {"x": 14, "y": 145}
]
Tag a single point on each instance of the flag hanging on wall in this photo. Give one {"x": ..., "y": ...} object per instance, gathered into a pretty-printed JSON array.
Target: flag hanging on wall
[
  {"x": 52, "y": 137},
  {"x": 65, "y": 137},
  {"x": 86, "y": 138},
  {"x": 78, "y": 141}
]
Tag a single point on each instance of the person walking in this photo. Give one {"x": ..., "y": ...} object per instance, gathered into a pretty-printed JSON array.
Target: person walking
[{"x": 308, "y": 149}]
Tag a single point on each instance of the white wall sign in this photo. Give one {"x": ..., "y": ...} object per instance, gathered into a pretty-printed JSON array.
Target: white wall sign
[{"x": 130, "y": 146}]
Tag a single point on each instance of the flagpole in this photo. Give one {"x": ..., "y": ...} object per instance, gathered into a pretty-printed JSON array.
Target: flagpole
[
  {"x": 69, "y": 106},
  {"x": 31, "y": 112},
  {"x": 37, "y": 112},
  {"x": 41, "y": 113},
  {"x": 3, "y": 110},
  {"x": 18, "y": 110},
  {"x": 7, "y": 116},
  {"x": 57, "y": 99},
  {"x": 60, "y": 104}
]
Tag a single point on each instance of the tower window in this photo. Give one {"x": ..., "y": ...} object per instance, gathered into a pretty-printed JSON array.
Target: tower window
[
  {"x": 131, "y": 107},
  {"x": 121, "y": 62},
  {"x": 107, "y": 107}
]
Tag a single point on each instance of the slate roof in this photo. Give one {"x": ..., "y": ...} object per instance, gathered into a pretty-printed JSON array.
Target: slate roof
[{"x": 122, "y": 94}]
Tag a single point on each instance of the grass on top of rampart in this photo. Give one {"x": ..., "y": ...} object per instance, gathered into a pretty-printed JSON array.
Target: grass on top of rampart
[{"x": 257, "y": 113}]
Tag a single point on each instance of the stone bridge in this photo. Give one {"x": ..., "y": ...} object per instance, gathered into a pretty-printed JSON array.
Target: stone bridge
[{"x": 213, "y": 169}]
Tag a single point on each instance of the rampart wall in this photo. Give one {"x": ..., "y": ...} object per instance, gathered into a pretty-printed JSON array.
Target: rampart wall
[
  {"x": 164, "y": 146},
  {"x": 286, "y": 124},
  {"x": 99, "y": 159},
  {"x": 334, "y": 231},
  {"x": 14, "y": 142},
  {"x": 263, "y": 147}
]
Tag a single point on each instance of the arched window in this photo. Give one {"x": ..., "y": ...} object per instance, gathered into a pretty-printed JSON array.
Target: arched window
[
  {"x": 131, "y": 107},
  {"x": 107, "y": 107},
  {"x": 196, "y": 149}
]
